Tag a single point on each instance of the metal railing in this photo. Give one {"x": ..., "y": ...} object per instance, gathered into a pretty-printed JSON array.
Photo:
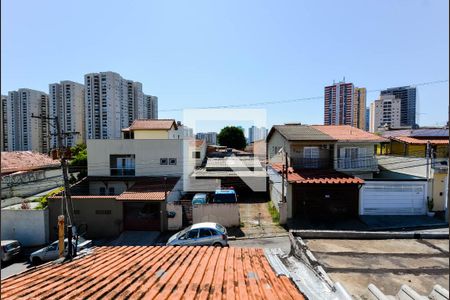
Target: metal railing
[{"x": 357, "y": 163}]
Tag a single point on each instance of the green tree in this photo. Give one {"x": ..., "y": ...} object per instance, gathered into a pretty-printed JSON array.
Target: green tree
[
  {"x": 232, "y": 137},
  {"x": 79, "y": 160}
]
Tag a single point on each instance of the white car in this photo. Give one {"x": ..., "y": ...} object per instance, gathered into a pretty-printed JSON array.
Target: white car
[
  {"x": 51, "y": 252},
  {"x": 200, "y": 234}
]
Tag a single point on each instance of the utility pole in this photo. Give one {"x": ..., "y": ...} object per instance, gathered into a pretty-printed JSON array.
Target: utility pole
[
  {"x": 286, "y": 169},
  {"x": 66, "y": 201}
]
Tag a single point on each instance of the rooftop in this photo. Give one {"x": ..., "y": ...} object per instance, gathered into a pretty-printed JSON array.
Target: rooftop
[
  {"x": 419, "y": 133},
  {"x": 152, "y": 124},
  {"x": 315, "y": 176},
  {"x": 156, "y": 272},
  {"x": 26, "y": 161},
  {"x": 300, "y": 133},
  {"x": 149, "y": 190},
  {"x": 416, "y": 141},
  {"x": 347, "y": 133},
  {"x": 233, "y": 163}
]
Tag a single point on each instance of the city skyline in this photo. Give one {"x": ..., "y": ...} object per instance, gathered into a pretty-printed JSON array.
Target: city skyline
[{"x": 234, "y": 53}]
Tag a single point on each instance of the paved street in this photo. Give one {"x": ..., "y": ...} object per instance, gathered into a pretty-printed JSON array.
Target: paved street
[
  {"x": 265, "y": 242},
  {"x": 14, "y": 268},
  {"x": 386, "y": 263}
]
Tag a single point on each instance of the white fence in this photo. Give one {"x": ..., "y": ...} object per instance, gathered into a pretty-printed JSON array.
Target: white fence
[
  {"x": 28, "y": 226},
  {"x": 226, "y": 214}
]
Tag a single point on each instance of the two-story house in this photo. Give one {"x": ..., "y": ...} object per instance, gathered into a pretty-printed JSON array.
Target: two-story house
[
  {"x": 131, "y": 180},
  {"x": 322, "y": 164}
]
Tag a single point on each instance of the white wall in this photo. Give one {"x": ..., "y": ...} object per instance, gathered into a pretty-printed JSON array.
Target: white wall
[
  {"x": 175, "y": 223},
  {"x": 28, "y": 226},
  {"x": 147, "y": 156},
  {"x": 226, "y": 214}
]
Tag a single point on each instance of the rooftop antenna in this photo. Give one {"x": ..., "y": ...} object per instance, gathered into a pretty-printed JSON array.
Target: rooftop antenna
[{"x": 344, "y": 79}]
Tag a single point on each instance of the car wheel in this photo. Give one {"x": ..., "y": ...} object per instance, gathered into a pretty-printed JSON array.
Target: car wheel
[
  {"x": 36, "y": 261},
  {"x": 217, "y": 245}
]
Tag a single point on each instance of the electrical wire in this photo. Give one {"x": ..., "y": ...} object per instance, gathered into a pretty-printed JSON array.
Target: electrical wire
[{"x": 291, "y": 100}]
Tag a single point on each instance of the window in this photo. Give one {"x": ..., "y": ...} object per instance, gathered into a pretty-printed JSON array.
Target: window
[
  {"x": 102, "y": 191},
  {"x": 311, "y": 157},
  {"x": 111, "y": 191},
  {"x": 204, "y": 232},
  {"x": 172, "y": 161},
  {"x": 163, "y": 161},
  {"x": 193, "y": 234},
  {"x": 103, "y": 212},
  {"x": 122, "y": 165},
  {"x": 196, "y": 154}
]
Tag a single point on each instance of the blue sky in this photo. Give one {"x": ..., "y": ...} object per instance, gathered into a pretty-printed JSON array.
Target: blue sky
[{"x": 208, "y": 53}]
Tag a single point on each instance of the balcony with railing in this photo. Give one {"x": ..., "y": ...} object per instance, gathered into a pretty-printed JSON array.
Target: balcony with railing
[{"x": 360, "y": 163}]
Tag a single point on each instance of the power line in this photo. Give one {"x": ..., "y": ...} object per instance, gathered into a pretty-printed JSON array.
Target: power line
[{"x": 291, "y": 100}]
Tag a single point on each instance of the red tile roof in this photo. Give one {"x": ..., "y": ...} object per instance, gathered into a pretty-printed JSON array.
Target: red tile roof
[
  {"x": 26, "y": 161},
  {"x": 347, "y": 133},
  {"x": 411, "y": 140},
  {"x": 155, "y": 272},
  {"x": 150, "y": 124},
  {"x": 149, "y": 191},
  {"x": 318, "y": 176}
]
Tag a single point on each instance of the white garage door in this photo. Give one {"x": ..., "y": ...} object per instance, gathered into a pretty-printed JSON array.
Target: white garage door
[{"x": 393, "y": 198}]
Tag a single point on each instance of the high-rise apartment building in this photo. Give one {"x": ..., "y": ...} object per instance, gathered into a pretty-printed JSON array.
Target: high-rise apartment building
[
  {"x": 385, "y": 111},
  {"x": 367, "y": 119},
  {"x": 66, "y": 101},
  {"x": 24, "y": 132},
  {"x": 209, "y": 137},
  {"x": 257, "y": 133},
  {"x": 111, "y": 103},
  {"x": 4, "y": 124},
  {"x": 407, "y": 95},
  {"x": 359, "y": 108},
  {"x": 150, "y": 107},
  {"x": 345, "y": 104}
]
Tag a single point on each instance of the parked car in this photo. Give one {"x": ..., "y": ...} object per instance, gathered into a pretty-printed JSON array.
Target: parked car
[
  {"x": 225, "y": 196},
  {"x": 200, "y": 234},
  {"x": 51, "y": 252},
  {"x": 9, "y": 250},
  {"x": 200, "y": 198}
]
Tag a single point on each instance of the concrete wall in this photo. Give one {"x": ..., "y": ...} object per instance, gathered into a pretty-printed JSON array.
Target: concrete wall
[
  {"x": 147, "y": 156},
  {"x": 276, "y": 142},
  {"x": 175, "y": 223},
  {"x": 30, "y": 183},
  {"x": 28, "y": 226},
  {"x": 151, "y": 134},
  {"x": 438, "y": 191},
  {"x": 99, "y": 225},
  {"x": 226, "y": 214},
  {"x": 275, "y": 197}
]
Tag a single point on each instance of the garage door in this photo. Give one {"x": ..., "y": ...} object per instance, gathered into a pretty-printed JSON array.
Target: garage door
[
  {"x": 393, "y": 198},
  {"x": 141, "y": 216}
]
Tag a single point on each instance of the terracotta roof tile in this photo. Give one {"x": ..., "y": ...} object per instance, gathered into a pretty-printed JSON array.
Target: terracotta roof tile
[
  {"x": 155, "y": 272},
  {"x": 150, "y": 124},
  {"x": 347, "y": 133},
  {"x": 150, "y": 191},
  {"x": 26, "y": 161},
  {"x": 318, "y": 176},
  {"x": 411, "y": 140}
]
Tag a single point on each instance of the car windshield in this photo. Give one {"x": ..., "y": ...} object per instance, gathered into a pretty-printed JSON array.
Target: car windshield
[
  {"x": 182, "y": 232},
  {"x": 220, "y": 228},
  {"x": 225, "y": 198},
  {"x": 11, "y": 246}
]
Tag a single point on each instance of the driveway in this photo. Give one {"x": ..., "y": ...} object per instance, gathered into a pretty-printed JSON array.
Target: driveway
[
  {"x": 135, "y": 238},
  {"x": 386, "y": 263}
]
